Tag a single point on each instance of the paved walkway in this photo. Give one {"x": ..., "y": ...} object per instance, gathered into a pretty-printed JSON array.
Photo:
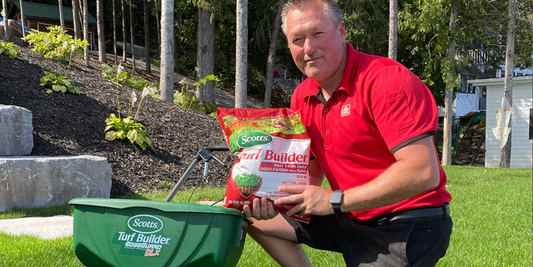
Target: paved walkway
[{"x": 40, "y": 227}]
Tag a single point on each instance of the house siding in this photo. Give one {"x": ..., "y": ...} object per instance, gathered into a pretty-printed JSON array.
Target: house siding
[{"x": 521, "y": 146}]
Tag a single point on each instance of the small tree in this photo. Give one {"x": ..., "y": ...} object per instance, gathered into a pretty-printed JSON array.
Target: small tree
[
  {"x": 241, "y": 78},
  {"x": 167, "y": 53}
]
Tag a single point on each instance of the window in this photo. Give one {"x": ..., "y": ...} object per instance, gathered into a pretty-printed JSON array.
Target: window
[
  {"x": 531, "y": 124},
  {"x": 483, "y": 98}
]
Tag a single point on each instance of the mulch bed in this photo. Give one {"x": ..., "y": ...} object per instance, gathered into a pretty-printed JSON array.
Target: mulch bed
[{"x": 68, "y": 124}]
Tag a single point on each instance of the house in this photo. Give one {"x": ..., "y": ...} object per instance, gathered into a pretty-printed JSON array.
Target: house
[
  {"x": 521, "y": 120},
  {"x": 40, "y": 16}
]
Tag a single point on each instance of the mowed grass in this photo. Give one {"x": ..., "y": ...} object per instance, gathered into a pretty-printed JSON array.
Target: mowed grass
[
  {"x": 491, "y": 209},
  {"x": 492, "y": 213}
]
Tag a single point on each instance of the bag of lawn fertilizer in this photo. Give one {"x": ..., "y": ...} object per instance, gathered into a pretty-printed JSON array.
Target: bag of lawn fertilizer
[{"x": 272, "y": 149}]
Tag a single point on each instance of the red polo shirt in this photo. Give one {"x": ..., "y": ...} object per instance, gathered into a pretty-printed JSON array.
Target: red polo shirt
[{"x": 378, "y": 107}]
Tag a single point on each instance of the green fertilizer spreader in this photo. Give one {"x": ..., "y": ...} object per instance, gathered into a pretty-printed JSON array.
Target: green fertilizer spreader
[{"x": 128, "y": 233}]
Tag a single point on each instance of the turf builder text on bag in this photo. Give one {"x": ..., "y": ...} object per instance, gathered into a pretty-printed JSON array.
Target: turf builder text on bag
[{"x": 272, "y": 149}]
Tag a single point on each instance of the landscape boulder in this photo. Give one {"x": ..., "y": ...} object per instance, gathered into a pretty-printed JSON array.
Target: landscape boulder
[
  {"x": 32, "y": 181},
  {"x": 16, "y": 131}
]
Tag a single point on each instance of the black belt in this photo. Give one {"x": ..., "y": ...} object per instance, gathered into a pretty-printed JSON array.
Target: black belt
[{"x": 409, "y": 215}]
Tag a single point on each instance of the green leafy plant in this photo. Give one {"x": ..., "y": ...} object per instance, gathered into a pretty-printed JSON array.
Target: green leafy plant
[
  {"x": 56, "y": 44},
  {"x": 125, "y": 78},
  {"x": 118, "y": 128},
  {"x": 156, "y": 62},
  {"x": 9, "y": 49},
  {"x": 186, "y": 97},
  {"x": 115, "y": 73},
  {"x": 58, "y": 83}
]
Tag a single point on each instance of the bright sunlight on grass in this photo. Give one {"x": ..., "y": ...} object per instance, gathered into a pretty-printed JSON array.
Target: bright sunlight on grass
[{"x": 491, "y": 209}]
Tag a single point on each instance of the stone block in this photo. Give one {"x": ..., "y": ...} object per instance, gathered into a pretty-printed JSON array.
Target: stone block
[
  {"x": 31, "y": 181},
  {"x": 16, "y": 131}
]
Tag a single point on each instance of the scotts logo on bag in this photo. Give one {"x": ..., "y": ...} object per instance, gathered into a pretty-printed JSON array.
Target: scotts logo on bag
[
  {"x": 249, "y": 139},
  {"x": 145, "y": 224}
]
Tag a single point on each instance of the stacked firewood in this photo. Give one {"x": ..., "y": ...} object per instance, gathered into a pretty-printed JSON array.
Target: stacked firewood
[{"x": 471, "y": 145}]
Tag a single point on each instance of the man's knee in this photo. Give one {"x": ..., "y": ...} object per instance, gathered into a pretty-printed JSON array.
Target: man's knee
[{"x": 277, "y": 227}]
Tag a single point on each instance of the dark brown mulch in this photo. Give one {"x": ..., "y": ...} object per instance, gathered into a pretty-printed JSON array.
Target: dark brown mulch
[{"x": 68, "y": 124}]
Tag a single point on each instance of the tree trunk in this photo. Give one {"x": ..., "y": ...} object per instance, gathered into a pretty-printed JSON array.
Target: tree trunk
[
  {"x": 272, "y": 55},
  {"x": 61, "y": 17},
  {"x": 205, "y": 61},
  {"x": 147, "y": 37},
  {"x": 101, "y": 32},
  {"x": 158, "y": 25},
  {"x": 167, "y": 55},
  {"x": 448, "y": 95},
  {"x": 393, "y": 28},
  {"x": 241, "y": 61},
  {"x": 124, "y": 40},
  {"x": 76, "y": 19},
  {"x": 505, "y": 112},
  {"x": 132, "y": 35},
  {"x": 22, "y": 18},
  {"x": 86, "y": 31},
  {"x": 115, "y": 32}
]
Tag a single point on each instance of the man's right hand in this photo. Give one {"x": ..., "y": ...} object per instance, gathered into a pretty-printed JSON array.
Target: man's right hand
[{"x": 262, "y": 209}]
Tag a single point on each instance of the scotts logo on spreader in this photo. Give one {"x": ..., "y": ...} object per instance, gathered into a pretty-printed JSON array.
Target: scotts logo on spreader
[
  {"x": 145, "y": 224},
  {"x": 249, "y": 139}
]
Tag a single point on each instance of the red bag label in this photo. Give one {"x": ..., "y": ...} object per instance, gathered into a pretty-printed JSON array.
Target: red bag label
[{"x": 272, "y": 149}]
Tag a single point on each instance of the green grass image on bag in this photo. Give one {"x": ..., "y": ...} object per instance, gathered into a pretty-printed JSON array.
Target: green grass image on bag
[{"x": 247, "y": 183}]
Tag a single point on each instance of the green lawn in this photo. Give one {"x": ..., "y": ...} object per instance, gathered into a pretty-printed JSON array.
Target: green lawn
[{"x": 491, "y": 208}]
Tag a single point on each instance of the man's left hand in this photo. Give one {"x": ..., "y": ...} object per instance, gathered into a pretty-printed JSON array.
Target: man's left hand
[{"x": 309, "y": 200}]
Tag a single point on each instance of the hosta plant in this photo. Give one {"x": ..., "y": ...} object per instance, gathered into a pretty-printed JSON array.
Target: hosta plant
[
  {"x": 122, "y": 128},
  {"x": 58, "y": 83},
  {"x": 9, "y": 49}
]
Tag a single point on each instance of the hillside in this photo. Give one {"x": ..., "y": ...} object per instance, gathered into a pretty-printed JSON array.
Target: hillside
[{"x": 68, "y": 124}]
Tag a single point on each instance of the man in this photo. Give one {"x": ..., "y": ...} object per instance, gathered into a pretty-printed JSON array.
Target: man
[{"x": 371, "y": 123}]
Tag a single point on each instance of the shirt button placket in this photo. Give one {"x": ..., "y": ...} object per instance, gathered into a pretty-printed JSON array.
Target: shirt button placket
[{"x": 326, "y": 129}]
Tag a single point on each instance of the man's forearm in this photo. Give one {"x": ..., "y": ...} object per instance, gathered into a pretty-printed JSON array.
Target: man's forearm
[{"x": 415, "y": 171}]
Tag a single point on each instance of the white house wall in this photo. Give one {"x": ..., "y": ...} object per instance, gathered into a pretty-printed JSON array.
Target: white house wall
[
  {"x": 521, "y": 146},
  {"x": 521, "y": 155}
]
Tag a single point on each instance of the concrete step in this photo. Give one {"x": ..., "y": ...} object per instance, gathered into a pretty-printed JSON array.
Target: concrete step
[{"x": 33, "y": 181}]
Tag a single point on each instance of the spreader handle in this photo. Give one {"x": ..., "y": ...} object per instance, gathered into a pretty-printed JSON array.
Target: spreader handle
[{"x": 206, "y": 154}]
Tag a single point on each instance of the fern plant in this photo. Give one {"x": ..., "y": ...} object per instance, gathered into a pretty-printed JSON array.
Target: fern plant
[
  {"x": 9, "y": 49},
  {"x": 58, "y": 83}
]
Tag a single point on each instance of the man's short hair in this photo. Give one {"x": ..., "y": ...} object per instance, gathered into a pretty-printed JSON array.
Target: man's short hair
[{"x": 331, "y": 10}]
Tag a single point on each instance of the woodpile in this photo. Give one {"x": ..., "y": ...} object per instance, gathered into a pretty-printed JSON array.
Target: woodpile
[{"x": 470, "y": 149}]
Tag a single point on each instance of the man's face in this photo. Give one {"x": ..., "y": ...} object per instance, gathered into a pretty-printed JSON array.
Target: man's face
[{"x": 316, "y": 44}]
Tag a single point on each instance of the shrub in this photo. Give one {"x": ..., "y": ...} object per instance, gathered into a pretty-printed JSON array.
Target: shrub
[
  {"x": 58, "y": 83},
  {"x": 136, "y": 83},
  {"x": 9, "y": 49},
  {"x": 186, "y": 98},
  {"x": 56, "y": 44}
]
